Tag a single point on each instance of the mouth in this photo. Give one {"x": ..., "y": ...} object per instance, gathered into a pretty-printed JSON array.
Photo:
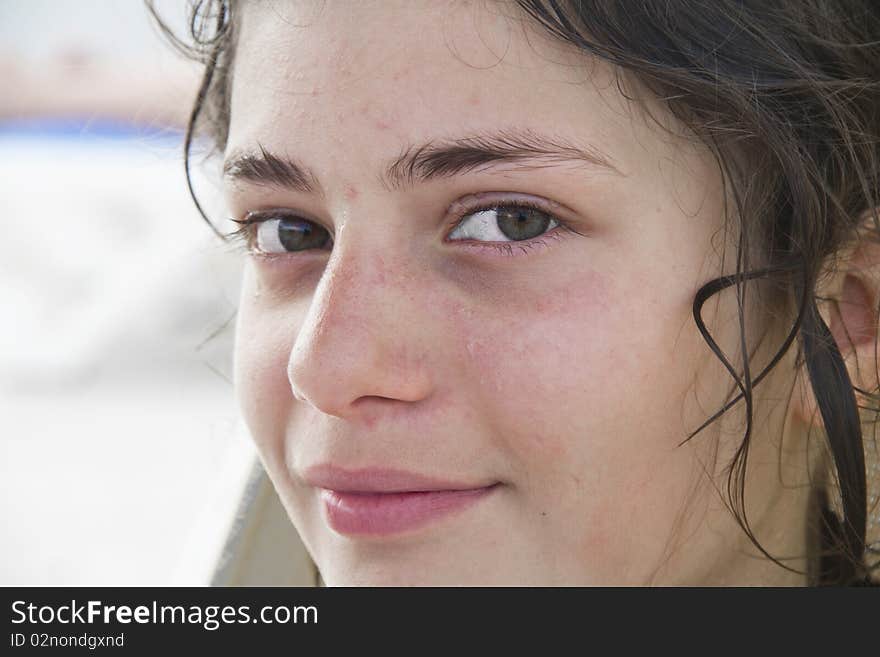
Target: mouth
[{"x": 382, "y": 502}]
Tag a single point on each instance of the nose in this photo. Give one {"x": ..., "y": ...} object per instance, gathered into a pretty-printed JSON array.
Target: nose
[{"x": 364, "y": 335}]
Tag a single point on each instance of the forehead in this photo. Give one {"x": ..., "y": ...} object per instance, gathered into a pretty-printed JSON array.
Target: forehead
[{"x": 346, "y": 84}]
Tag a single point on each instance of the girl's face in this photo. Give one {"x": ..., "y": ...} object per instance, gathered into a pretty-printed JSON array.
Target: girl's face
[{"x": 481, "y": 264}]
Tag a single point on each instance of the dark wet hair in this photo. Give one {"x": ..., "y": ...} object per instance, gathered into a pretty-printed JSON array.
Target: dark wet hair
[{"x": 786, "y": 95}]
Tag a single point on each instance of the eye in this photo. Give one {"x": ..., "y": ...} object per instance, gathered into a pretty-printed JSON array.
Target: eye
[
  {"x": 512, "y": 222},
  {"x": 272, "y": 233}
]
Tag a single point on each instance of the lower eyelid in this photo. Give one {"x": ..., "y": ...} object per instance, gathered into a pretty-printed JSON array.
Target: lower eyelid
[{"x": 519, "y": 248}]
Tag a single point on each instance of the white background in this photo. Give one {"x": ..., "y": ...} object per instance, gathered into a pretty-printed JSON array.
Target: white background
[{"x": 121, "y": 449}]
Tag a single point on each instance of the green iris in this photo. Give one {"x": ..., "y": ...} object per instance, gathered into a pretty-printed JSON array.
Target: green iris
[{"x": 521, "y": 223}]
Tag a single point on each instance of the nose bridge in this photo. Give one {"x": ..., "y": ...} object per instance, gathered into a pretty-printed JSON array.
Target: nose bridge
[{"x": 360, "y": 336}]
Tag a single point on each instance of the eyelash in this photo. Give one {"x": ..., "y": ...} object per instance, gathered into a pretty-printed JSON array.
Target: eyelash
[{"x": 245, "y": 236}]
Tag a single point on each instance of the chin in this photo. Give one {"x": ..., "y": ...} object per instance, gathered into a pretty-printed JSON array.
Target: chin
[{"x": 413, "y": 569}]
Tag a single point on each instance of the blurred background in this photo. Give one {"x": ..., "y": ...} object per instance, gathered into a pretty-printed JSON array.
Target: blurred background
[{"x": 122, "y": 455}]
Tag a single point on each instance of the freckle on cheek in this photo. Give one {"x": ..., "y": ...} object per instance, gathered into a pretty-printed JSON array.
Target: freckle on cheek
[{"x": 588, "y": 295}]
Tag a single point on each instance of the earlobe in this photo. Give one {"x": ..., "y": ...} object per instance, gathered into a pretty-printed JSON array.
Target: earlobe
[
  {"x": 855, "y": 298},
  {"x": 849, "y": 306},
  {"x": 854, "y": 317}
]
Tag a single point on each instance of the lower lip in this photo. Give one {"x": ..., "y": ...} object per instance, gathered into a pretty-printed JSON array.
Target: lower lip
[{"x": 381, "y": 514}]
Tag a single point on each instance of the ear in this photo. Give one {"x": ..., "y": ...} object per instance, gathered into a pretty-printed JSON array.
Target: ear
[{"x": 847, "y": 299}]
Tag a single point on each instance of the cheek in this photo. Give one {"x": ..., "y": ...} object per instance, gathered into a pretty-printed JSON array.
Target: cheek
[
  {"x": 530, "y": 358},
  {"x": 576, "y": 385},
  {"x": 262, "y": 349},
  {"x": 583, "y": 391}
]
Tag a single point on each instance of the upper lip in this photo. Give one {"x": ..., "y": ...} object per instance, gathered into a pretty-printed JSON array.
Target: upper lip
[{"x": 378, "y": 480}]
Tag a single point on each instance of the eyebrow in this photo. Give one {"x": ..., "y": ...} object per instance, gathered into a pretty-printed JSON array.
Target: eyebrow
[{"x": 433, "y": 160}]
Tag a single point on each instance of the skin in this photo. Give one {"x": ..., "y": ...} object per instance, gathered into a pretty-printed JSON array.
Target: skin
[{"x": 569, "y": 373}]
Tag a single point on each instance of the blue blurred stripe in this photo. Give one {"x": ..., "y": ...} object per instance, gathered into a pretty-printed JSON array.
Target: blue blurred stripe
[{"x": 73, "y": 128}]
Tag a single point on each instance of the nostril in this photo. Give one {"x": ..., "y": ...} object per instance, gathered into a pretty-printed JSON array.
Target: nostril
[{"x": 367, "y": 400}]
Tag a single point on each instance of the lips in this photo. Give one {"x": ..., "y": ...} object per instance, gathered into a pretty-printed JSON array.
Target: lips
[{"x": 381, "y": 502}]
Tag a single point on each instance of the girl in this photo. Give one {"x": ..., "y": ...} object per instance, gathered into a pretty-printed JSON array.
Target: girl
[{"x": 548, "y": 292}]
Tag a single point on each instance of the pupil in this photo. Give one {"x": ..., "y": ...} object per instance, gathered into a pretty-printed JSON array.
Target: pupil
[
  {"x": 300, "y": 235},
  {"x": 521, "y": 223}
]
